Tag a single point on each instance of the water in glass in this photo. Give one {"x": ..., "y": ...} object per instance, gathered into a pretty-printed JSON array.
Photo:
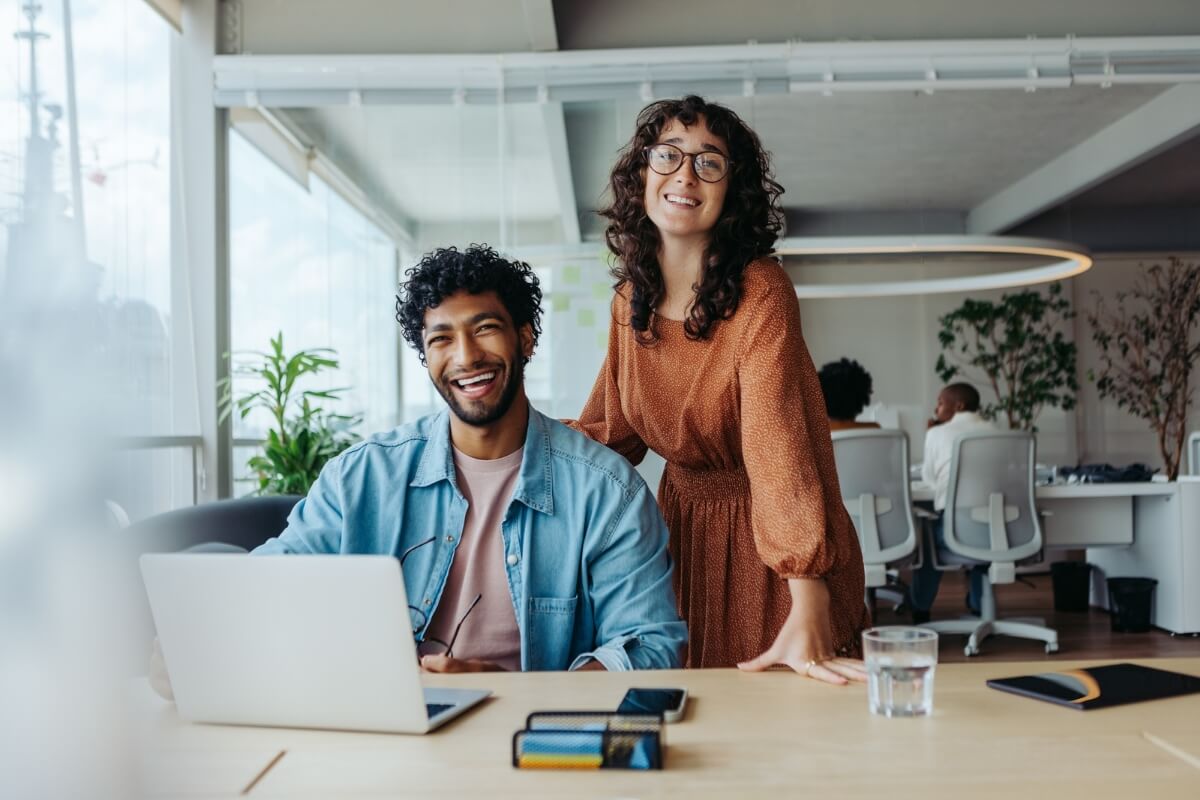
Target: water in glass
[{"x": 901, "y": 663}]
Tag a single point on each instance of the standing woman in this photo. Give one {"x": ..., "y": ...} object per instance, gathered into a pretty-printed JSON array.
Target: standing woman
[{"x": 707, "y": 366}]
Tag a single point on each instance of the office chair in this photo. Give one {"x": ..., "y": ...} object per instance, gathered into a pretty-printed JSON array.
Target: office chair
[
  {"x": 244, "y": 522},
  {"x": 991, "y": 518},
  {"x": 872, "y": 467},
  {"x": 225, "y": 525},
  {"x": 1193, "y": 453}
]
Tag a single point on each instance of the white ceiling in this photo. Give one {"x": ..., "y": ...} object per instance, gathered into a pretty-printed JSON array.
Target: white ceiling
[
  {"x": 442, "y": 163},
  {"x": 851, "y": 152},
  {"x": 907, "y": 151}
]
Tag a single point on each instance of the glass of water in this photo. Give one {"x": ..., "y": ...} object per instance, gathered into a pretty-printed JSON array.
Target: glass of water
[{"x": 900, "y": 665}]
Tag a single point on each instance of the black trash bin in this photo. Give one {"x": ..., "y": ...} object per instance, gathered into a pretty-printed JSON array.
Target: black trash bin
[
  {"x": 1071, "y": 585},
  {"x": 1130, "y": 601}
]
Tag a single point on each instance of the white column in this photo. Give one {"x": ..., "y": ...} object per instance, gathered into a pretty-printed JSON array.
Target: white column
[{"x": 203, "y": 233}]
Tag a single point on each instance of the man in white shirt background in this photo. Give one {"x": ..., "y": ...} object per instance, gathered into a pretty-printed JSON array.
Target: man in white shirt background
[{"x": 956, "y": 413}]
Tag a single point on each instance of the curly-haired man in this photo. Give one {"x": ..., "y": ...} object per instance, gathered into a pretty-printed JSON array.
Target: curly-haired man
[{"x": 528, "y": 545}]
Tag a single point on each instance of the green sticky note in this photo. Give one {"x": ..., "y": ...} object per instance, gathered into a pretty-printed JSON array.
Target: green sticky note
[
  {"x": 571, "y": 273},
  {"x": 601, "y": 291},
  {"x": 561, "y": 302},
  {"x": 586, "y": 317},
  {"x": 602, "y": 340}
]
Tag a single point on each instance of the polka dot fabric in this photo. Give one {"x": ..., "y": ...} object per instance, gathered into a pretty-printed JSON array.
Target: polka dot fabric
[{"x": 750, "y": 492}]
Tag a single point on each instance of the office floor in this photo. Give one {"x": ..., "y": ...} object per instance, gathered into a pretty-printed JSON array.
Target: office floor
[{"x": 1080, "y": 635}]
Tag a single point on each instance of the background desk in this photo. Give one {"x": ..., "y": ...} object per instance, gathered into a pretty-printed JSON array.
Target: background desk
[
  {"x": 745, "y": 735},
  {"x": 1149, "y": 530}
]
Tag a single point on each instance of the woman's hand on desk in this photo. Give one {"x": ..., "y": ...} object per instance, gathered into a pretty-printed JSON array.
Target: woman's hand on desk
[
  {"x": 805, "y": 643},
  {"x": 448, "y": 664}
]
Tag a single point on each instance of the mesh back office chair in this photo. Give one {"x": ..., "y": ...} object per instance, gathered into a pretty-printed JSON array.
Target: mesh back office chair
[
  {"x": 1193, "y": 453},
  {"x": 872, "y": 468},
  {"x": 991, "y": 518}
]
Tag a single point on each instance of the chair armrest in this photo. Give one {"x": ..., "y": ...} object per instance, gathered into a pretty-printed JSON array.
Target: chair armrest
[{"x": 923, "y": 513}]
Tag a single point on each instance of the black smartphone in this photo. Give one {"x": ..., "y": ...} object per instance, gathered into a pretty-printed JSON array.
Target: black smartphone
[{"x": 668, "y": 702}]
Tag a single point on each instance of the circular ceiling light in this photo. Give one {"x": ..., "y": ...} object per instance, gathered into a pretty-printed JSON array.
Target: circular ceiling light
[{"x": 1062, "y": 260}]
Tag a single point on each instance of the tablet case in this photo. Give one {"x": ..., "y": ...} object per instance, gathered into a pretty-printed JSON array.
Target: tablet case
[{"x": 1100, "y": 687}]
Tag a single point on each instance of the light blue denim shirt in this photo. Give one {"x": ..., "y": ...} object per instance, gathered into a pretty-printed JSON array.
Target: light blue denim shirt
[{"x": 585, "y": 544}]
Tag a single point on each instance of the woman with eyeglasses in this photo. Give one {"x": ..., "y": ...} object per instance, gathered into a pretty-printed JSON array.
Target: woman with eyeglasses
[{"x": 706, "y": 365}]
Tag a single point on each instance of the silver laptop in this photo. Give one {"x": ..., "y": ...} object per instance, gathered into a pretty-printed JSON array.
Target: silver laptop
[{"x": 293, "y": 641}]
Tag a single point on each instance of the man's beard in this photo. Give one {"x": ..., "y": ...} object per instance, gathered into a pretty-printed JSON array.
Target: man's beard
[{"x": 484, "y": 415}]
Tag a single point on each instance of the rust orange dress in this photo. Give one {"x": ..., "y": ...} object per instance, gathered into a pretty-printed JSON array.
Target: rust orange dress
[{"x": 750, "y": 493}]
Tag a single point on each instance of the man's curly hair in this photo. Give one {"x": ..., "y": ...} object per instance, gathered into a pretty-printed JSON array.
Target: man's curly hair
[
  {"x": 750, "y": 220},
  {"x": 475, "y": 270},
  {"x": 847, "y": 388}
]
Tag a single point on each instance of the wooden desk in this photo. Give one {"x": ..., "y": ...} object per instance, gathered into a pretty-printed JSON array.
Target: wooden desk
[{"x": 744, "y": 736}]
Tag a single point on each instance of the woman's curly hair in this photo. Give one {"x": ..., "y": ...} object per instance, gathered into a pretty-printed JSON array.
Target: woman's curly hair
[
  {"x": 475, "y": 270},
  {"x": 750, "y": 220},
  {"x": 847, "y": 388}
]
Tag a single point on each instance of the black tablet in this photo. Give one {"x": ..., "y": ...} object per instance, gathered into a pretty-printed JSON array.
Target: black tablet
[{"x": 1100, "y": 687}]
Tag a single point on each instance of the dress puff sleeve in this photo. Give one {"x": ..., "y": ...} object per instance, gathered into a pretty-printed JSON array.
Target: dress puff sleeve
[{"x": 800, "y": 525}]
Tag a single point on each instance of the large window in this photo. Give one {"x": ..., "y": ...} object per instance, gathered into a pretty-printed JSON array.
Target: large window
[
  {"x": 307, "y": 263},
  {"x": 85, "y": 199}
]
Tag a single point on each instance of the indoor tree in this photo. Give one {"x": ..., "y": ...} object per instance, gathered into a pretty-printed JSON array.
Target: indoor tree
[
  {"x": 1148, "y": 348},
  {"x": 303, "y": 436},
  {"x": 1018, "y": 345}
]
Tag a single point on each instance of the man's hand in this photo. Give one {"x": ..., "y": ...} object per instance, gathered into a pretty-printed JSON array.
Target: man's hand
[
  {"x": 447, "y": 664},
  {"x": 592, "y": 666}
]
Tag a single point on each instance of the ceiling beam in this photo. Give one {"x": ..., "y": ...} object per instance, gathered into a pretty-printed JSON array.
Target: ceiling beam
[
  {"x": 797, "y": 67},
  {"x": 539, "y": 24},
  {"x": 560, "y": 161},
  {"x": 1159, "y": 124},
  {"x": 543, "y": 37}
]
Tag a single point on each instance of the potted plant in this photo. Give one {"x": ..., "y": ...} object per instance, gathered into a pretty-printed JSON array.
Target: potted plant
[
  {"x": 1018, "y": 345},
  {"x": 1148, "y": 349},
  {"x": 303, "y": 435}
]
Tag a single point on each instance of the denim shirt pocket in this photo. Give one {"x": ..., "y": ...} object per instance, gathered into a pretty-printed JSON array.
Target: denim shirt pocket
[{"x": 551, "y": 631}]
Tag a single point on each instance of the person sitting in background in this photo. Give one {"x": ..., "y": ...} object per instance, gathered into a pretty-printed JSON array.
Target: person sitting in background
[
  {"x": 956, "y": 413},
  {"x": 847, "y": 389}
]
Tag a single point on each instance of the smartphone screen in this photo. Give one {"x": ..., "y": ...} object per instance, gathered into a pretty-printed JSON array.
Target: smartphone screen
[{"x": 651, "y": 701}]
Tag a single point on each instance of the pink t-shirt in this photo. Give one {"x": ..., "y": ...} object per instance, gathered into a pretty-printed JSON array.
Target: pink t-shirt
[{"x": 490, "y": 632}]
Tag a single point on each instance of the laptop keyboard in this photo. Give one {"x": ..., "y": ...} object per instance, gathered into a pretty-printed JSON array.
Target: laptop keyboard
[{"x": 433, "y": 709}]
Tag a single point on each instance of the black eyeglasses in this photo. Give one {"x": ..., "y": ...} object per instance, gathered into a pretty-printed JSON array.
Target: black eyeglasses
[
  {"x": 431, "y": 646},
  {"x": 666, "y": 159}
]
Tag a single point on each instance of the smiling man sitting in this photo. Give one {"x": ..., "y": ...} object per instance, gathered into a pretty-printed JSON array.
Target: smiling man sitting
[{"x": 524, "y": 544}]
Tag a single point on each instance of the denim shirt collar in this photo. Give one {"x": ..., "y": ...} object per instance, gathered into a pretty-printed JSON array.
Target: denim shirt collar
[{"x": 535, "y": 485}]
